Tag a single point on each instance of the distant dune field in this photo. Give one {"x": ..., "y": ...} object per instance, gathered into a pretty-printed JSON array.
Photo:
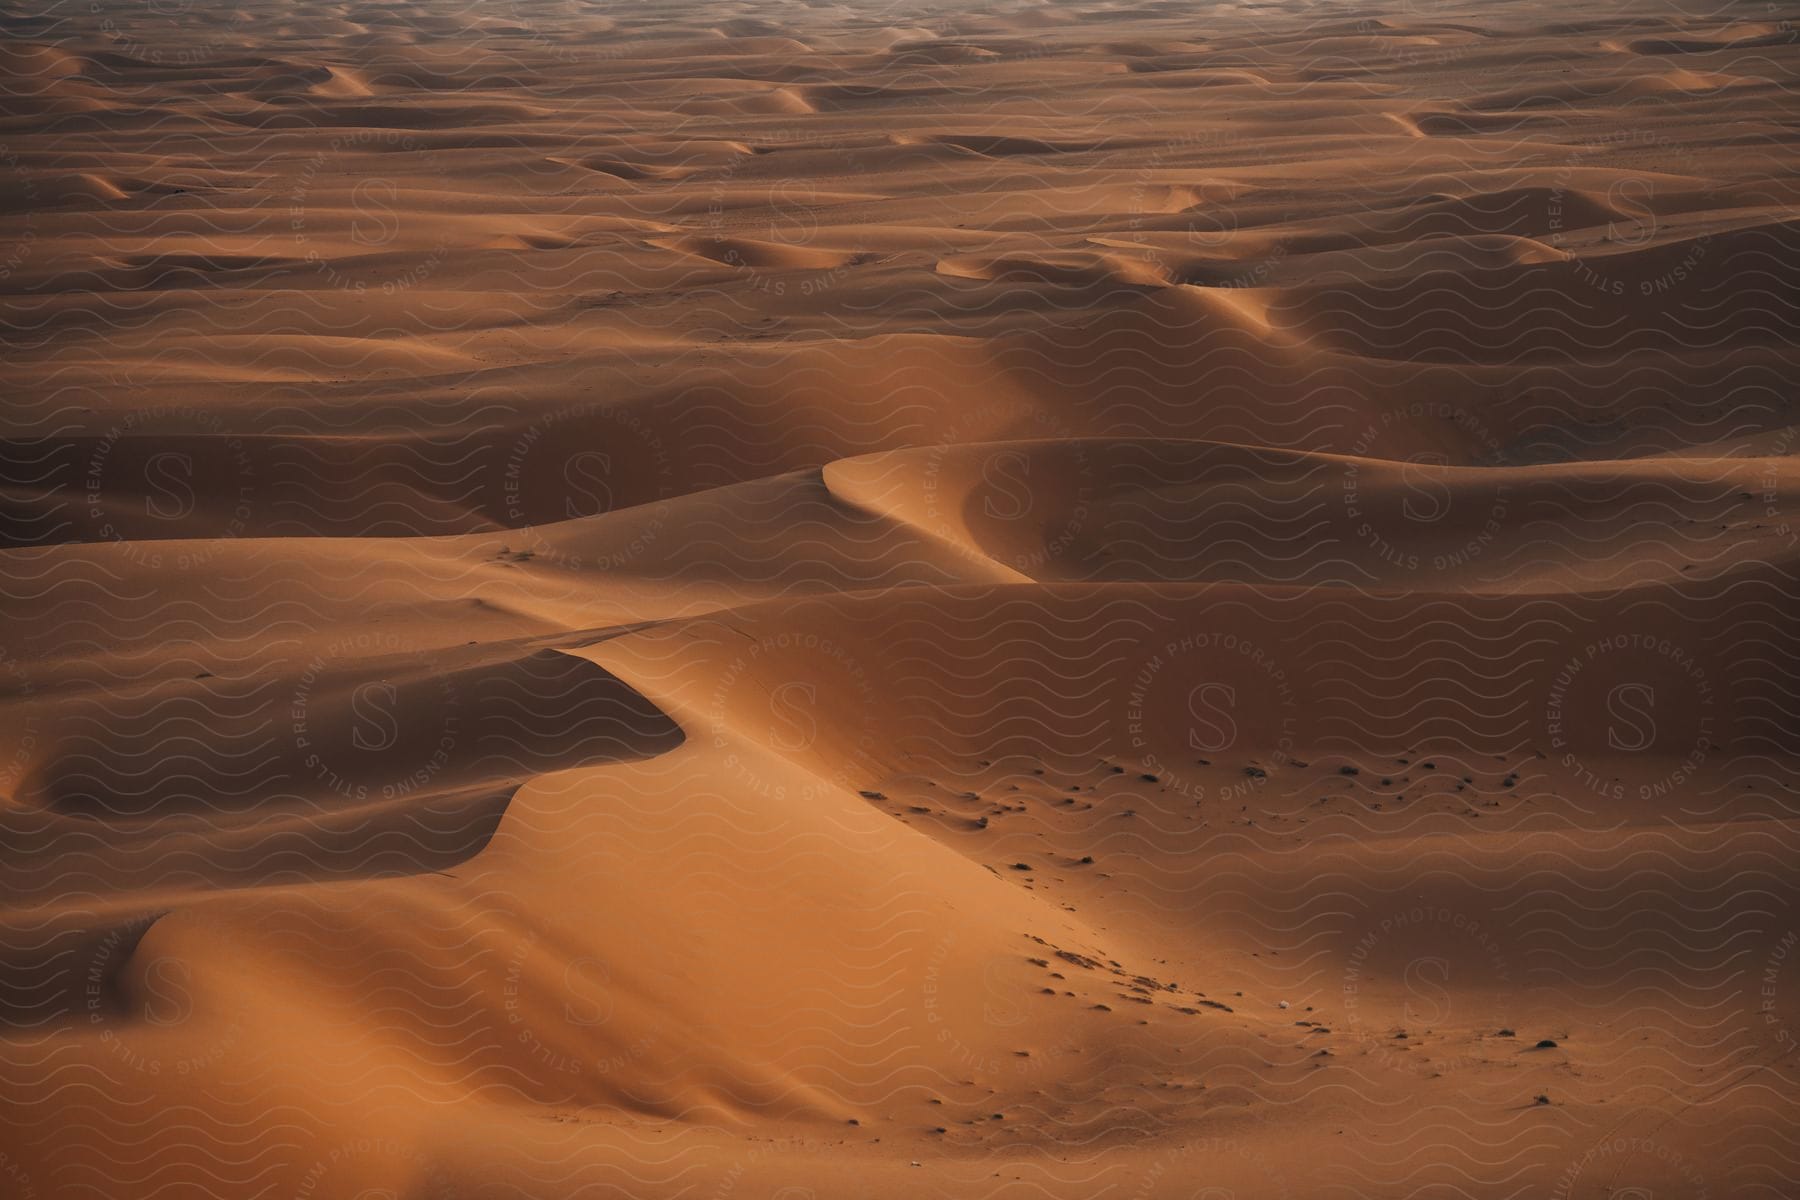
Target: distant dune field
[{"x": 784, "y": 601}]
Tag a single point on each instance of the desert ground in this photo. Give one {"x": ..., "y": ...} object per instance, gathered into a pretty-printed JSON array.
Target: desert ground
[{"x": 736, "y": 600}]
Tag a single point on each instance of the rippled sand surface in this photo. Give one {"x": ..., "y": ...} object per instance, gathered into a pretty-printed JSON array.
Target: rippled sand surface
[{"x": 739, "y": 600}]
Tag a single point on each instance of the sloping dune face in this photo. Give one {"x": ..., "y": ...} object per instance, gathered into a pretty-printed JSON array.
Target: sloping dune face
[{"x": 772, "y": 600}]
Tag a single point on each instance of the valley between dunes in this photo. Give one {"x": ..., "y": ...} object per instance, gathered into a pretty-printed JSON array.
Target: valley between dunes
[{"x": 743, "y": 600}]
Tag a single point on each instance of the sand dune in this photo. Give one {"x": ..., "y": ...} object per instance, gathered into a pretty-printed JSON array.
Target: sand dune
[{"x": 1061, "y": 600}]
